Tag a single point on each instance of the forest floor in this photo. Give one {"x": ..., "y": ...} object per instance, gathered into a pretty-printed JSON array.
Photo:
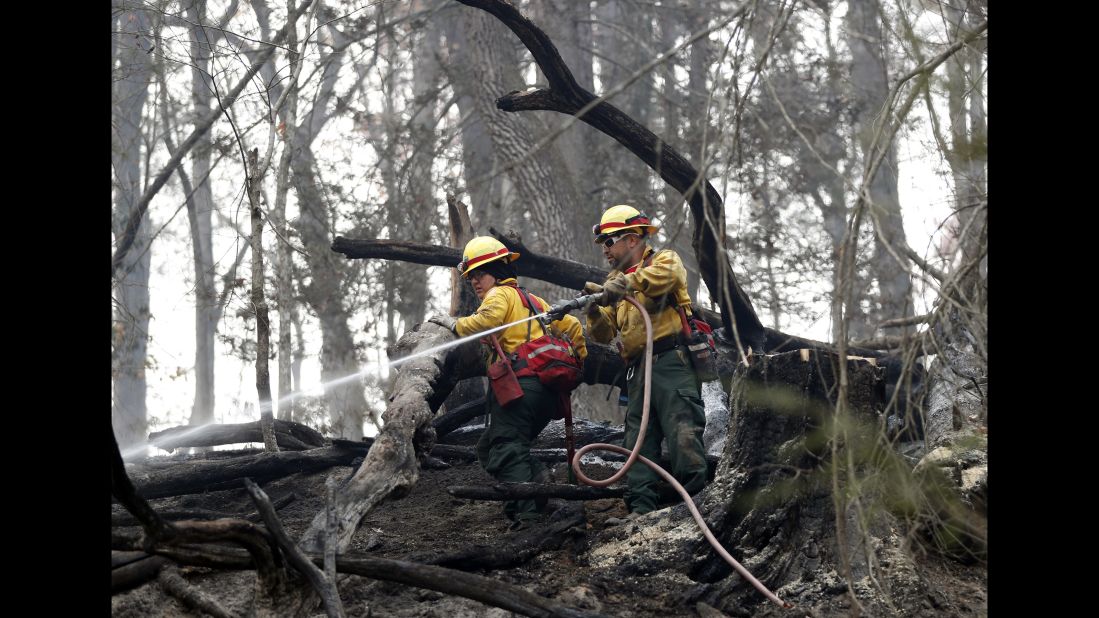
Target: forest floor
[{"x": 428, "y": 521}]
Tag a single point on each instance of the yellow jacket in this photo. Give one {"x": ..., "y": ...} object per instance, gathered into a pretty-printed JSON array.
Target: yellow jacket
[
  {"x": 502, "y": 305},
  {"x": 654, "y": 285}
]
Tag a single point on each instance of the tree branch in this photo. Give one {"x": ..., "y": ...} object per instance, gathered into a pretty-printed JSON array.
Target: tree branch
[
  {"x": 325, "y": 587},
  {"x": 448, "y": 581},
  {"x": 203, "y": 125},
  {"x": 566, "y": 96},
  {"x": 562, "y": 272}
]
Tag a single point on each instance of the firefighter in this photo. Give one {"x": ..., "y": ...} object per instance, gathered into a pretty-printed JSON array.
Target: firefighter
[
  {"x": 659, "y": 281},
  {"x": 504, "y": 448}
]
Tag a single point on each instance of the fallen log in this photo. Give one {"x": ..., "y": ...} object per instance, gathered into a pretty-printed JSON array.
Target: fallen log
[
  {"x": 122, "y": 558},
  {"x": 457, "y": 417},
  {"x": 290, "y": 435},
  {"x": 126, "y": 519},
  {"x": 448, "y": 581},
  {"x": 526, "y": 491},
  {"x": 136, "y": 573},
  {"x": 203, "y": 476},
  {"x": 174, "y": 584}
]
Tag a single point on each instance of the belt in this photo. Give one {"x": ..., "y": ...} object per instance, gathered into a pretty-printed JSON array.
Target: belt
[{"x": 660, "y": 346}]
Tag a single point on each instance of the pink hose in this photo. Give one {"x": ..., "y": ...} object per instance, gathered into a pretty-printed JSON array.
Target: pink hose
[{"x": 635, "y": 455}]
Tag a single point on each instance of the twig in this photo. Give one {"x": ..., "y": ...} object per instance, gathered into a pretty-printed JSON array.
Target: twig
[{"x": 330, "y": 596}]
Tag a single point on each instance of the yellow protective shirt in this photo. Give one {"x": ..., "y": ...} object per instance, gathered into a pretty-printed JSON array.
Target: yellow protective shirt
[
  {"x": 502, "y": 305},
  {"x": 663, "y": 280}
]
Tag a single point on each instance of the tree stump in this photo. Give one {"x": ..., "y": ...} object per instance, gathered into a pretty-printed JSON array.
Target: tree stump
[{"x": 774, "y": 499}]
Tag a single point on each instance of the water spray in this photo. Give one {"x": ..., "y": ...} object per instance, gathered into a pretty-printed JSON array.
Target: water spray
[
  {"x": 461, "y": 340},
  {"x": 268, "y": 406}
]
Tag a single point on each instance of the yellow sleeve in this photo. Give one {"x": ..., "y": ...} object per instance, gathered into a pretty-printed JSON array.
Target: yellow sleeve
[
  {"x": 603, "y": 328},
  {"x": 570, "y": 326},
  {"x": 663, "y": 275},
  {"x": 491, "y": 313}
]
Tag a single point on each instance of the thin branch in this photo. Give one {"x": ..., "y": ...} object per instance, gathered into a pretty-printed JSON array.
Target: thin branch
[
  {"x": 173, "y": 583},
  {"x": 325, "y": 587},
  {"x": 130, "y": 231}
]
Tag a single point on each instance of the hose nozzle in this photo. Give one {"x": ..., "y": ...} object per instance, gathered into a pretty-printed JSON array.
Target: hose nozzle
[{"x": 555, "y": 312}]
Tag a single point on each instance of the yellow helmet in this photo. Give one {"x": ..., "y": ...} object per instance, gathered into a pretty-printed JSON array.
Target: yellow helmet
[
  {"x": 622, "y": 217},
  {"x": 482, "y": 250}
]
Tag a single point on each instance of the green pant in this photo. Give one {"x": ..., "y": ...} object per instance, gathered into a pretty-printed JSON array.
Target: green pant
[
  {"x": 675, "y": 411},
  {"x": 504, "y": 448}
]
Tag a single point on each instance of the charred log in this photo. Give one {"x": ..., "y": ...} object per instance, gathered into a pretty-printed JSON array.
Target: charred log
[
  {"x": 457, "y": 417},
  {"x": 133, "y": 574},
  {"x": 289, "y": 434},
  {"x": 203, "y": 476},
  {"x": 525, "y": 491},
  {"x": 173, "y": 583},
  {"x": 487, "y": 590},
  {"x": 126, "y": 519}
]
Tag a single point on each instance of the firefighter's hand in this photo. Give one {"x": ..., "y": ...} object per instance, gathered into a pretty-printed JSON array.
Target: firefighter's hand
[
  {"x": 592, "y": 288},
  {"x": 614, "y": 290},
  {"x": 445, "y": 321},
  {"x": 592, "y": 311}
]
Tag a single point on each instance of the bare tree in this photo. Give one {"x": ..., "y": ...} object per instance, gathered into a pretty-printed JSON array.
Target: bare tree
[
  {"x": 256, "y": 171},
  {"x": 489, "y": 192},
  {"x": 204, "y": 39},
  {"x": 345, "y": 399},
  {"x": 130, "y": 332},
  {"x": 284, "y": 265},
  {"x": 543, "y": 183},
  {"x": 869, "y": 86}
]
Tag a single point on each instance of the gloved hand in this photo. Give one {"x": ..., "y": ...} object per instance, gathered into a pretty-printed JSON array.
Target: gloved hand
[
  {"x": 614, "y": 290},
  {"x": 445, "y": 321},
  {"x": 592, "y": 288},
  {"x": 592, "y": 311}
]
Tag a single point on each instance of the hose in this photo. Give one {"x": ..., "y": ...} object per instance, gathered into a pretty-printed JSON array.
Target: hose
[{"x": 635, "y": 455}]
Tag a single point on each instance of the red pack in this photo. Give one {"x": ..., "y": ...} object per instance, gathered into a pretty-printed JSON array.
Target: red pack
[
  {"x": 552, "y": 359},
  {"x": 699, "y": 339},
  {"x": 502, "y": 378}
]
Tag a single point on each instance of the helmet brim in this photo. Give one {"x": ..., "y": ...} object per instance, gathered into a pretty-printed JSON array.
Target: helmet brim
[{"x": 509, "y": 258}]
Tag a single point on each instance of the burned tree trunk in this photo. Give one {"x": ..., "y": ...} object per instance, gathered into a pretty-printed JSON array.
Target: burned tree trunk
[
  {"x": 392, "y": 465},
  {"x": 463, "y": 301},
  {"x": 793, "y": 460}
]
